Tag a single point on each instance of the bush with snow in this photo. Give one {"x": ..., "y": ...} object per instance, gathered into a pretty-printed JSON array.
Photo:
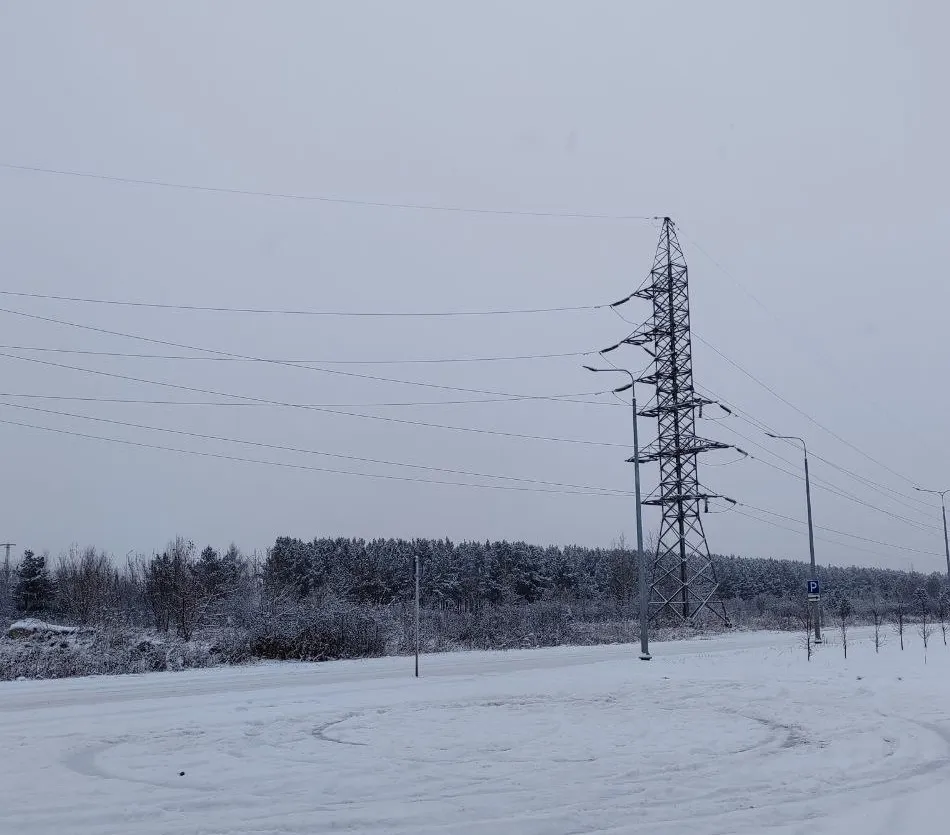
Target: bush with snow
[
  {"x": 28, "y": 627},
  {"x": 62, "y": 652}
]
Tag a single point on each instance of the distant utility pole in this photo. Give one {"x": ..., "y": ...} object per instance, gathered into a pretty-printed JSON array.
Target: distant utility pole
[
  {"x": 641, "y": 556},
  {"x": 416, "y": 612},
  {"x": 815, "y": 605},
  {"x": 6, "y": 561},
  {"x": 943, "y": 506}
]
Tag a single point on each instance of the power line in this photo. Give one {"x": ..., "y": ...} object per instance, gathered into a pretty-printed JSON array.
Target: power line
[
  {"x": 316, "y": 198},
  {"x": 875, "y": 486},
  {"x": 332, "y": 371},
  {"x": 755, "y": 423},
  {"x": 891, "y": 494},
  {"x": 415, "y": 361},
  {"x": 300, "y": 450},
  {"x": 835, "y": 491},
  {"x": 822, "y": 484},
  {"x": 265, "y": 401},
  {"x": 842, "y": 533},
  {"x": 817, "y": 536},
  {"x": 224, "y": 457},
  {"x": 763, "y": 427},
  {"x": 730, "y": 276},
  {"x": 503, "y": 397},
  {"x": 803, "y": 413},
  {"x": 216, "y": 403},
  {"x": 498, "y": 397},
  {"x": 824, "y": 357},
  {"x": 195, "y": 308},
  {"x": 791, "y": 405}
]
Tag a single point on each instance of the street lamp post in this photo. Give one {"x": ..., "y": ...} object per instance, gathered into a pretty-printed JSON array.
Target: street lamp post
[
  {"x": 641, "y": 557},
  {"x": 815, "y": 607},
  {"x": 943, "y": 507}
]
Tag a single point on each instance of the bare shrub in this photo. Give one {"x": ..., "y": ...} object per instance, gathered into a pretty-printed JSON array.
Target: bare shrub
[
  {"x": 942, "y": 607},
  {"x": 325, "y": 632},
  {"x": 899, "y": 614},
  {"x": 877, "y": 617},
  {"x": 100, "y": 651},
  {"x": 843, "y": 612},
  {"x": 87, "y": 587},
  {"x": 802, "y": 612},
  {"x": 925, "y": 626}
]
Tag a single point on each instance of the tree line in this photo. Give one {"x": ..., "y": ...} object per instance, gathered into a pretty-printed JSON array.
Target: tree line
[{"x": 182, "y": 589}]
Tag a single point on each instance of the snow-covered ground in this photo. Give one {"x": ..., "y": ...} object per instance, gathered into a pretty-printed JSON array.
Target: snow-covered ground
[{"x": 738, "y": 734}]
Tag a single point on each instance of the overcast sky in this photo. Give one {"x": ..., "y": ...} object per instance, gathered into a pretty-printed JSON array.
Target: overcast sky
[{"x": 800, "y": 147}]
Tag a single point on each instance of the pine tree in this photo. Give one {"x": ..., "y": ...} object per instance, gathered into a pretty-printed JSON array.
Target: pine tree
[
  {"x": 33, "y": 592},
  {"x": 160, "y": 590},
  {"x": 234, "y": 568},
  {"x": 211, "y": 573},
  {"x": 288, "y": 569}
]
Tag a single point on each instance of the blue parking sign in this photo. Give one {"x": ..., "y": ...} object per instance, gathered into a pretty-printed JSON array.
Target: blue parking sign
[{"x": 814, "y": 587}]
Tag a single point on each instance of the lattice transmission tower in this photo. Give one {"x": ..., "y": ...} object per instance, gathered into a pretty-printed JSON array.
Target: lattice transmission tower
[{"x": 683, "y": 578}]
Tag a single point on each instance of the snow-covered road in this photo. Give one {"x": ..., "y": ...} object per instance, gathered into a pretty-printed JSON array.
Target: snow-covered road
[{"x": 728, "y": 735}]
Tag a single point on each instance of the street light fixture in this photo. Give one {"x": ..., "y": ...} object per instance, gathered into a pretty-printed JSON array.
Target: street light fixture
[
  {"x": 816, "y": 612},
  {"x": 641, "y": 557},
  {"x": 943, "y": 507}
]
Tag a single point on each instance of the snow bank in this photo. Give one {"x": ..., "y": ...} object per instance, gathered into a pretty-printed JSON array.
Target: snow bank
[
  {"x": 30, "y": 626},
  {"x": 35, "y": 650}
]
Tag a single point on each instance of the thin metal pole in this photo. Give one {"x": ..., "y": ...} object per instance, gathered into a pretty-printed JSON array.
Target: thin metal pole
[
  {"x": 815, "y": 608},
  {"x": 6, "y": 560},
  {"x": 943, "y": 508},
  {"x": 416, "y": 632},
  {"x": 946, "y": 541},
  {"x": 641, "y": 557},
  {"x": 811, "y": 546}
]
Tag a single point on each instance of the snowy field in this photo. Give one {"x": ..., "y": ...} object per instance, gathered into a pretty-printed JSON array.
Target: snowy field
[{"x": 738, "y": 734}]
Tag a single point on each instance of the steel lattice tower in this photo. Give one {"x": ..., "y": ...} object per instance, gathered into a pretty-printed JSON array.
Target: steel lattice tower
[{"x": 684, "y": 581}]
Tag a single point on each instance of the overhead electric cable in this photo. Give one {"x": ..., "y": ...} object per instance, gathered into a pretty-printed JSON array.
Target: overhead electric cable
[
  {"x": 264, "y": 360},
  {"x": 197, "y": 308},
  {"x": 890, "y": 493},
  {"x": 183, "y": 357},
  {"x": 372, "y": 405},
  {"x": 318, "y": 198},
  {"x": 842, "y": 533},
  {"x": 802, "y": 412},
  {"x": 285, "y": 448},
  {"x": 223, "y": 457},
  {"x": 825, "y": 485},
  {"x": 787, "y": 402},
  {"x": 818, "y": 537},
  {"x": 343, "y": 413}
]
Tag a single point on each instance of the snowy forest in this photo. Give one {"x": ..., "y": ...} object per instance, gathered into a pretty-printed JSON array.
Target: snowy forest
[{"x": 339, "y": 598}]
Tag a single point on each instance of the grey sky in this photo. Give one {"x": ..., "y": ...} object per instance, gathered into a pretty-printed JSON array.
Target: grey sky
[{"x": 801, "y": 145}]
